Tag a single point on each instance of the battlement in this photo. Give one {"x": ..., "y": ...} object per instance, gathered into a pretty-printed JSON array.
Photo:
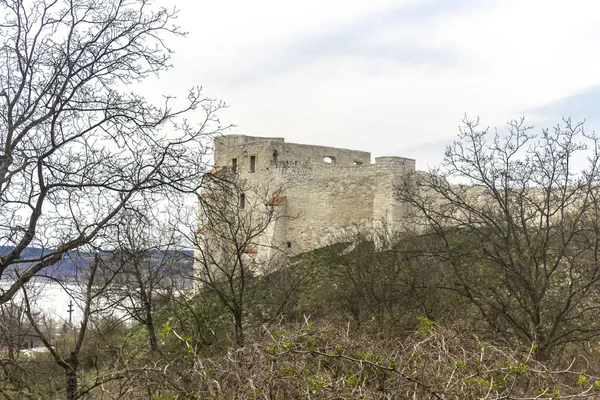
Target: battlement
[
  {"x": 325, "y": 188},
  {"x": 240, "y": 140},
  {"x": 261, "y": 153},
  {"x": 408, "y": 164},
  {"x": 249, "y": 154}
]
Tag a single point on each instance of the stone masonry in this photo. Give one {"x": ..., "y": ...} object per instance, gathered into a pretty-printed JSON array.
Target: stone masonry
[{"x": 321, "y": 189}]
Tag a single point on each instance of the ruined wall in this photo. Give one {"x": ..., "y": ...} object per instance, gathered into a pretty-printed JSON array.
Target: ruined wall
[
  {"x": 390, "y": 170},
  {"x": 271, "y": 152},
  {"x": 323, "y": 199},
  {"x": 326, "y": 189}
]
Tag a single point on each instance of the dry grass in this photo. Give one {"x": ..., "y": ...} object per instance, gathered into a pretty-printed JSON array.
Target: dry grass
[{"x": 325, "y": 362}]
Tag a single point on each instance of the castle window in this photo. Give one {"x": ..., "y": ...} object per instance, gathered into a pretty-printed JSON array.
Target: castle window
[
  {"x": 234, "y": 164},
  {"x": 275, "y": 154},
  {"x": 242, "y": 201},
  {"x": 329, "y": 160},
  {"x": 357, "y": 163},
  {"x": 252, "y": 163},
  {"x": 289, "y": 245}
]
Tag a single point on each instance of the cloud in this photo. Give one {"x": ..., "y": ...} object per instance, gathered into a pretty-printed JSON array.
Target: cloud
[
  {"x": 394, "y": 77},
  {"x": 398, "y": 34},
  {"x": 427, "y": 155},
  {"x": 381, "y": 30},
  {"x": 579, "y": 107}
]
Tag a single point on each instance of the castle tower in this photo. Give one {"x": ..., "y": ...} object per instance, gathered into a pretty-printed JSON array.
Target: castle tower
[{"x": 316, "y": 191}]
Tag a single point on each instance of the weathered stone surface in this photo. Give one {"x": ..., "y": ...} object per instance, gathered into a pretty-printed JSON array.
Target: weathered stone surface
[{"x": 325, "y": 188}]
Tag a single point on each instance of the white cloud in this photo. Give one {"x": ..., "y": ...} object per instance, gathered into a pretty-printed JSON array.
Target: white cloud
[{"x": 384, "y": 75}]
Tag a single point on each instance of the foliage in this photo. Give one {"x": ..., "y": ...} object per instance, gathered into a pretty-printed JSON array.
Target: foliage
[
  {"x": 77, "y": 145},
  {"x": 202, "y": 318},
  {"x": 230, "y": 247},
  {"x": 519, "y": 239},
  {"x": 320, "y": 361},
  {"x": 377, "y": 278}
]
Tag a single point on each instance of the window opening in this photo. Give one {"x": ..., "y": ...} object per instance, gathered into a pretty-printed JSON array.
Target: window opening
[
  {"x": 289, "y": 245},
  {"x": 275, "y": 155},
  {"x": 234, "y": 164},
  {"x": 242, "y": 201},
  {"x": 329, "y": 160},
  {"x": 357, "y": 163},
  {"x": 252, "y": 163}
]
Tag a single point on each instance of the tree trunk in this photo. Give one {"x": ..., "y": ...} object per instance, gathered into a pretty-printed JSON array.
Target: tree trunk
[
  {"x": 71, "y": 376},
  {"x": 11, "y": 350},
  {"x": 151, "y": 332},
  {"x": 239, "y": 329}
]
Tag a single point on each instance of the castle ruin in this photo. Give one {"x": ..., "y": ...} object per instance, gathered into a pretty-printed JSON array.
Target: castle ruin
[{"x": 320, "y": 190}]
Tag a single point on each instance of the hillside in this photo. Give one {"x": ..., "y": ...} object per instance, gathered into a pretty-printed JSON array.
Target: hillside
[{"x": 75, "y": 262}]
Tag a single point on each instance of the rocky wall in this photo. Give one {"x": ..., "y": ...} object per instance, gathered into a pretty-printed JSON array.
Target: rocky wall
[{"x": 321, "y": 198}]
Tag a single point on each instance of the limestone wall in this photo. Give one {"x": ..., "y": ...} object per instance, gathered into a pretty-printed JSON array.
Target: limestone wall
[
  {"x": 323, "y": 196},
  {"x": 271, "y": 152},
  {"x": 323, "y": 199}
]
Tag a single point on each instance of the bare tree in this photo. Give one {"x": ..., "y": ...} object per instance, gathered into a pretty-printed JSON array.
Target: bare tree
[
  {"x": 149, "y": 265},
  {"x": 378, "y": 277},
  {"x": 13, "y": 327},
  {"x": 87, "y": 291},
  {"x": 232, "y": 241},
  {"x": 517, "y": 226},
  {"x": 76, "y": 146}
]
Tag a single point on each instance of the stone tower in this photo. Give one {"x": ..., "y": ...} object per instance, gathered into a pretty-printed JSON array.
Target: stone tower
[{"x": 317, "y": 190}]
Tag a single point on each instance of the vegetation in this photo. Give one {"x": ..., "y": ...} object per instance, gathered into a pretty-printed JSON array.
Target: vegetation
[
  {"x": 77, "y": 146},
  {"x": 302, "y": 359},
  {"x": 491, "y": 290},
  {"x": 519, "y": 238}
]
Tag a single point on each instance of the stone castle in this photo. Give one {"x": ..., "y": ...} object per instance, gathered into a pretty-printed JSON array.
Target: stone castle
[{"x": 320, "y": 190}]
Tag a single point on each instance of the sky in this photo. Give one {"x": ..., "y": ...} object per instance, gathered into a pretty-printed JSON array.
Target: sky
[{"x": 393, "y": 77}]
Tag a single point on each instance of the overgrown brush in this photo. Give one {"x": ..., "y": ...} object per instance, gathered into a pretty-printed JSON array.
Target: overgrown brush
[{"x": 326, "y": 362}]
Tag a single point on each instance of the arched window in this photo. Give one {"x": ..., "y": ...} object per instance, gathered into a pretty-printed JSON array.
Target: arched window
[{"x": 329, "y": 160}]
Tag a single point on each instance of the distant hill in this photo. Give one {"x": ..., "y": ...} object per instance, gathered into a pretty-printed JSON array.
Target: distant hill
[{"x": 74, "y": 262}]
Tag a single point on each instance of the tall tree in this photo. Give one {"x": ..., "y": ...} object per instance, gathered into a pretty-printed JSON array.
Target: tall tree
[
  {"x": 518, "y": 226},
  {"x": 87, "y": 290},
  {"x": 232, "y": 245},
  {"x": 148, "y": 266},
  {"x": 76, "y": 146}
]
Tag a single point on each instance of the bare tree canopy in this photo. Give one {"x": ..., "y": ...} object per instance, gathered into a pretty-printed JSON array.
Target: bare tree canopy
[
  {"x": 231, "y": 246},
  {"x": 77, "y": 147},
  {"x": 521, "y": 238}
]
